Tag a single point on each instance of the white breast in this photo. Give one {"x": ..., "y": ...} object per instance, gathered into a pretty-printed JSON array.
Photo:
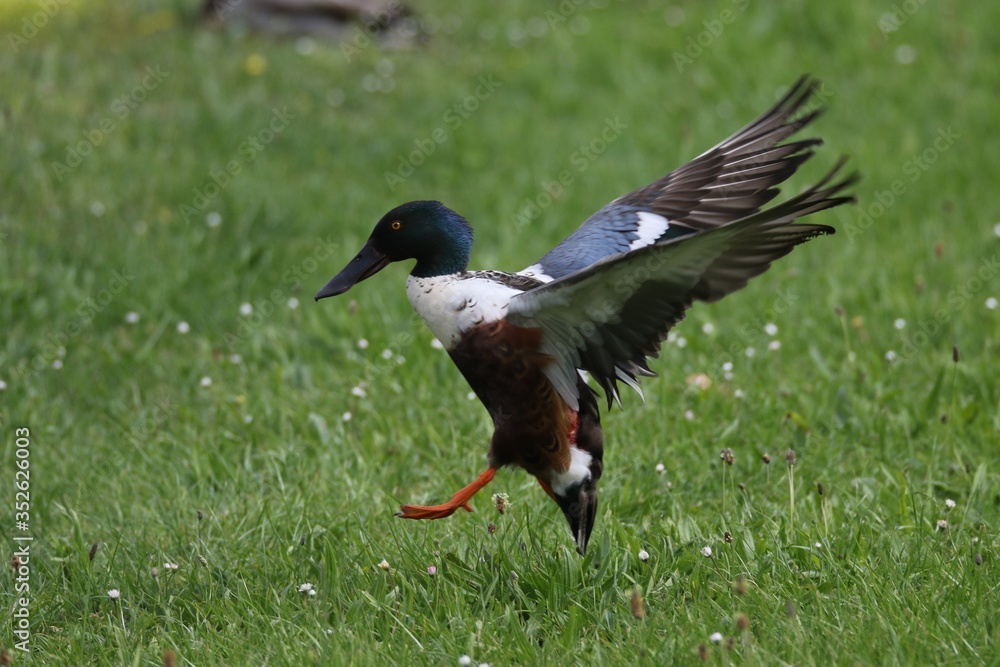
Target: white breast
[{"x": 453, "y": 304}]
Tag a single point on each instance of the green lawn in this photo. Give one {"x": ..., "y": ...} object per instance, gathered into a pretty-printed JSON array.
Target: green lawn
[{"x": 156, "y": 173}]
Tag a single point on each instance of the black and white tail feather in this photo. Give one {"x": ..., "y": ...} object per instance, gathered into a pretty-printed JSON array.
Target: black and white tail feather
[{"x": 615, "y": 287}]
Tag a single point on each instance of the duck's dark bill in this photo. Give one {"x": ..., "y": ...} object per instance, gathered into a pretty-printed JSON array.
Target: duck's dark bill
[{"x": 367, "y": 263}]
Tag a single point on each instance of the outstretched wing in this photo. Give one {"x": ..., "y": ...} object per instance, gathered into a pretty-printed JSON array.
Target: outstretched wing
[
  {"x": 731, "y": 181},
  {"x": 610, "y": 317}
]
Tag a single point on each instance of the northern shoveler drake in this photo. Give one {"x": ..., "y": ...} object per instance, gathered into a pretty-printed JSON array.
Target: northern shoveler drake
[{"x": 602, "y": 301}]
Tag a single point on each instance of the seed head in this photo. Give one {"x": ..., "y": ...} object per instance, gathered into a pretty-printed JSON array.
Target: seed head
[
  {"x": 728, "y": 537},
  {"x": 766, "y": 458},
  {"x": 93, "y": 550},
  {"x": 819, "y": 488},
  {"x": 978, "y": 560},
  {"x": 727, "y": 456},
  {"x": 491, "y": 528},
  {"x": 743, "y": 622},
  {"x": 638, "y": 609},
  {"x": 790, "y": 457},
  {"x": 502, "y": 502}
]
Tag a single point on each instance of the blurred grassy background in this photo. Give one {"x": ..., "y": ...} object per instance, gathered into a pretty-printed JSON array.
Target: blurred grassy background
[{"x": 224, "y": 447}]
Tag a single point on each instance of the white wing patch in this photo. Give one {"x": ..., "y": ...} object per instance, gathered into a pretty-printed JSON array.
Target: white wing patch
[
  {"x": 537, "y": 272},
  {"x": 578, "y": 471},
  {"x": 453, "y": 304},
  {"x": 651, "y": 227}
]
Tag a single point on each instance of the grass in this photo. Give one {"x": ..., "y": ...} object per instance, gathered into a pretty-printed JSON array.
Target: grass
[{"x": 256, "y": 484}]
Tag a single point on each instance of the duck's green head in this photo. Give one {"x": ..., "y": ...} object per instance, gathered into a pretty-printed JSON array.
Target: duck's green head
[{"x": 427, "y": 231}]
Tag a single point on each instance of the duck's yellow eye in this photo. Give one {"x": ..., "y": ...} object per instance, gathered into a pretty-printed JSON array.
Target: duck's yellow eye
[{"x": 396, "y": 224}]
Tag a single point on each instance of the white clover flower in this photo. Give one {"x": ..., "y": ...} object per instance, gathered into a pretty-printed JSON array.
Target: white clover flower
[
  {"x": 949, "y": 503},
  {"x": 436, "y": 344},
  {"x": 358, "y": 391},
  {"x": 471, "y": 396},
  {"x": 660, "y": 468},
  {"x": 3, "y": 386},
  {"x": 384, "y": 564},
  {"x": 464, "y": 661},
  {"x": 643, "y": 555},
  {"x": 899, "y": 323},
  {"x": 991, "y": 303},
  {"x": 213, "y": 219},
  {"x": 699, "y": 381},
  {"x": 57, "y": 364},
  {"x": 727, "y": 367},
  {"x": 205, "y": 381},
  {"x": 738, "y": 393},
  {"x": 346, "y": 416},
  {"x": 750, "y": 352},
  {"x": 942, "y": 524},
  {"x": 715, "y": 638},
  {"x": 235, "y": 358},
  {"x": 362, "y": 343},
  {"x": 689, "y": 415},
  {"x": 682, "y": 341},
  {"x": 246, "y": 309},
  {"x": 706, "y": 551},
  {"x": 387, "y": 354},
  {"x": 890, "y": 355},
  {"x": 114, "y": 594},
  {"x": 708, "y": 328},
  {"x": 293, "y": 303},
  {"x": 771, "y": 329},
  {"x": 905, "y": 54},
  {"x": 305, "y": 588},
  {"x": 170, "y": 566},
  {"x": 132, "y": 317},
  {"x": 996, "y": 229},
  {"x": 774, "y": 345},
  {"x": 183, "y": 327}
]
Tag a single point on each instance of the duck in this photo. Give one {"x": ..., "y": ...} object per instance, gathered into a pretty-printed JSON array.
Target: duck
[{"x": 600, "y": 304}]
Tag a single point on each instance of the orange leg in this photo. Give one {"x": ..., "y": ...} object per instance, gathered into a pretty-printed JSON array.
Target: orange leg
[{"x": 460, "y": 499}]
